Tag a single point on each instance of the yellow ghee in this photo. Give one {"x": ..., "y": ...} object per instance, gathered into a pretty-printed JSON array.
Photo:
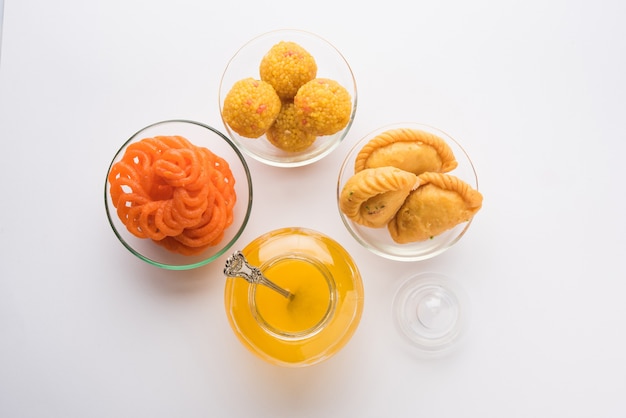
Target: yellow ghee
[{"x": 324, "y": 311}]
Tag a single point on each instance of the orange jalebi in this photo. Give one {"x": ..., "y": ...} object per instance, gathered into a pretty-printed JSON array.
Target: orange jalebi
[{"x": 177, "y": 194}]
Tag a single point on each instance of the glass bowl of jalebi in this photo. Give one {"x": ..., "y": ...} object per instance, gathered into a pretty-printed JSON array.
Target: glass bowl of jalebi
[
  {"x": 178, "y": 194},
  {"x": 287, "y": 98}
]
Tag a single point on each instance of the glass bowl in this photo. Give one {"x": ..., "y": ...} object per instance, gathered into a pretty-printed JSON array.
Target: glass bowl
[
  {"x": 199, "y": 135},
  {"x": 330, "y": 64},
  {"x": 323, "y": 313},
  {"x": 378, "y": 240}
]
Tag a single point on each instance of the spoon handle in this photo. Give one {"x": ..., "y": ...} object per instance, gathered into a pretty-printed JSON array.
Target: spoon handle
[{"x": 238, "y": 266}]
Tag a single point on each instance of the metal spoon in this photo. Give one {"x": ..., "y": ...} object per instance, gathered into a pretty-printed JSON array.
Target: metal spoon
[{"x": 238, "y": 266}]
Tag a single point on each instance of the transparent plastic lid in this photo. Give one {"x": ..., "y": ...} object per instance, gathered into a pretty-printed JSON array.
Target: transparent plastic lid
[{"x": 431, "y": 312}]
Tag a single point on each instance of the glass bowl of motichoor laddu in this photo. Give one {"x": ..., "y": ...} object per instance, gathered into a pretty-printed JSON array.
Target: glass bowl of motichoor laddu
[{"x": 287, "y": 98}]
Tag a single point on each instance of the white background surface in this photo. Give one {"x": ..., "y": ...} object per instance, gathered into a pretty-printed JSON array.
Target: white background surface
[{"x": 535, "y": 92}]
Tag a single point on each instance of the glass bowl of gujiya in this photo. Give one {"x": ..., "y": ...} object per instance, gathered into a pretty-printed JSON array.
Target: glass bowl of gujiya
[{"x": 301, "y": 300}]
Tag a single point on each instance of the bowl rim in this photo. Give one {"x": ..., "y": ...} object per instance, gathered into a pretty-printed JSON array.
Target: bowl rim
[
  {"x": 293, "y": 161},
  {"x": 348, "y": 223},
  {"x": 219, "y": 252}
]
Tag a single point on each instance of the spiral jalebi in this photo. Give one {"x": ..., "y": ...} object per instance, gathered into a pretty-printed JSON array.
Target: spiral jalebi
[{"x": 177, "y": 194}]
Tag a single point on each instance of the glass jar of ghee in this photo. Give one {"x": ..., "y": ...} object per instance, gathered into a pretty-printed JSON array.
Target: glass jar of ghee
[{"x": 323, "y": 312}]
